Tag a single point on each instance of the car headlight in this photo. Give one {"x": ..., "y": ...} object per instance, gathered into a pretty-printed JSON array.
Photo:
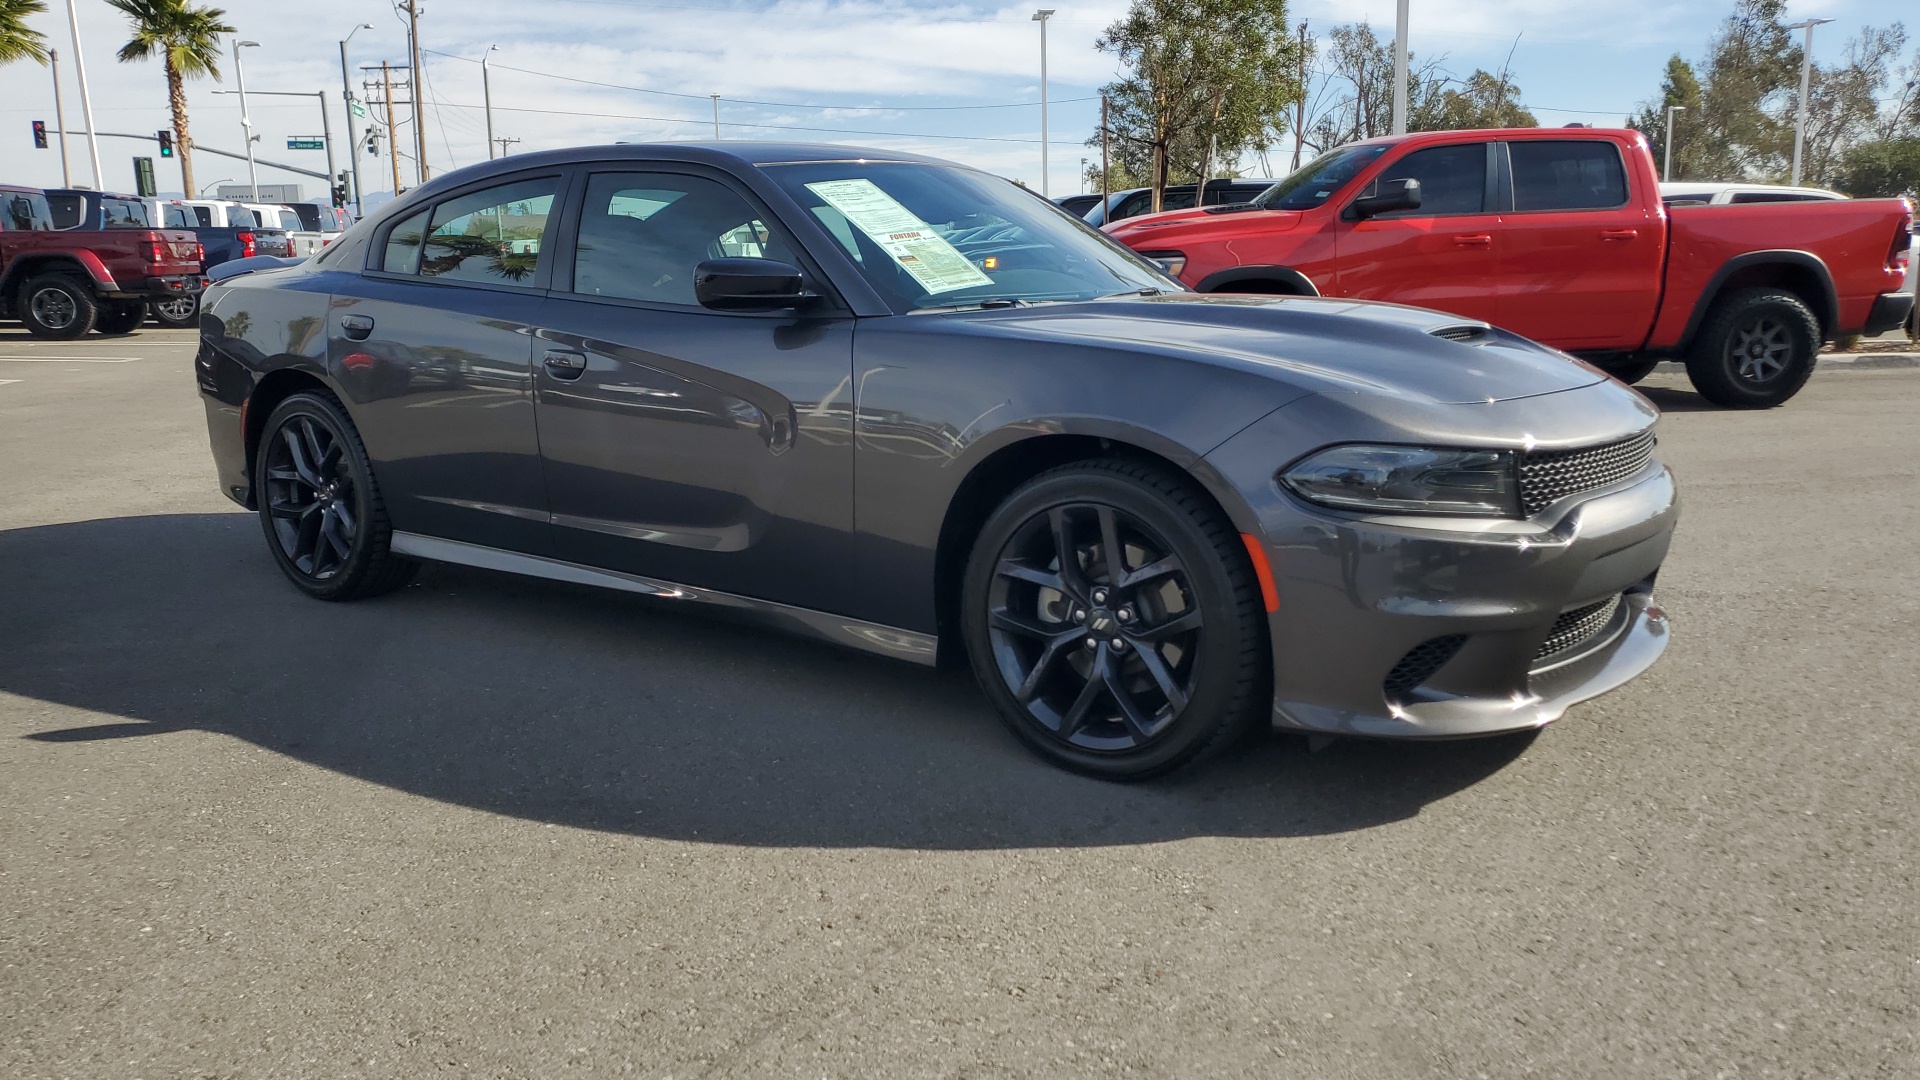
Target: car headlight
[
  {"x": 1171, "y": 262},
  {"x": 1409, "y": 480}
]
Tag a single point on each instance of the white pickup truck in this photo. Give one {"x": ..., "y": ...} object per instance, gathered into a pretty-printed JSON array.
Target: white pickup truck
[{"x": 306, "y": 242}]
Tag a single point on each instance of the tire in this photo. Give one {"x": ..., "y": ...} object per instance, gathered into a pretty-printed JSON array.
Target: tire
[
  {"x": 320, "y": 506},
  {"x": 179, "y": 313},
  {"x": 1197, "y": 613},
  {"x": 120, "y": 318},
  {"x": 1756, "y": 350},
  {"x": 57, "y": 307},
  {"x": 1632, "y": 370}
]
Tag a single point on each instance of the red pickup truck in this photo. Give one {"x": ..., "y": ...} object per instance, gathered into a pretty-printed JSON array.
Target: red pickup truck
[
  {"x": 1559, "y": 235},
  {"x": 63, "y": 284}
]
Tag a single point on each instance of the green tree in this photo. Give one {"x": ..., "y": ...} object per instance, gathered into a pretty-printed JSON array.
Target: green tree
[
  {"x": 187, "y": 39},
  {"x": 18, "y": 41},
  {"x": 1206, "y": 80},
  {"x": 1362, "y": 61},
  {"x": 1753, "y": 73},
  {"x": 1679, "y": 87},
  {"x": 1843, "y": 102},
  {"x": 1481, "y": 100},
  {"x": 1882, "y": 168}
]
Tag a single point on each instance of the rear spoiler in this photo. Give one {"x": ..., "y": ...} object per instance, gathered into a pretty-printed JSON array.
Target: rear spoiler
[{"x": 237, "y": 267}]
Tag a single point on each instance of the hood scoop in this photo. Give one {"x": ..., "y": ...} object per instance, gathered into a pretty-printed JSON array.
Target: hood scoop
[{"x": 1464, "y": 333}]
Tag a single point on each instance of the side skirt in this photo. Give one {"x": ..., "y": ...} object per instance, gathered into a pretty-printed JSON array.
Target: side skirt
[{"x": 838, "y": 629}]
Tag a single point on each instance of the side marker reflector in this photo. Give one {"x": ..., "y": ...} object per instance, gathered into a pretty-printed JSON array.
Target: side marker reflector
[{"x": 1263, "y": 571}]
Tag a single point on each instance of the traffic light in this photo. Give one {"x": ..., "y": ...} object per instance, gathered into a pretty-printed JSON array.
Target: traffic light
[
  {"x": 339, "y": 195},
  {"x": 40, "y": 134},
  {"x": 166, "y": 143}
]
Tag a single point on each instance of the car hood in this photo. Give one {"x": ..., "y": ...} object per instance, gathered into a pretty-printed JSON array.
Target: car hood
[
  {"x": 1315, "y": 345},
  {"x": 1149, "y": 232}
]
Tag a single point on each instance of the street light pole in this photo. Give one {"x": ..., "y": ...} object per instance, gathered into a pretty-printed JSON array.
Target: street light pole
[
  {"x": 346, "y": 95},
  {"x": 246, "y": 122},
  {"x": 60, "y": 119},
  {"x": 486, "y": 91},
  {"x": 1806, "y": 77},
  {"x": 1666, "y": 164},
  {"x": 86, "y": 106},
  {"x": 716, "y": 116},
  {"x": 1400, "y": 69},
  {"x": 1041, "y": 17}
]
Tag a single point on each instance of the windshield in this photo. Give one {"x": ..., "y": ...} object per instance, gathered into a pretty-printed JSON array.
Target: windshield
[
  {"x": 934, "y": 236},
  {"x": 1321, "y": 177}
]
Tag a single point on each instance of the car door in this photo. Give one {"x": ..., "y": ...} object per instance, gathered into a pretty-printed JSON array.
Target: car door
[
  {"x": 1581, "y": 259},
  {"x": 1441, "y": 255},
  {"x": 696, "y": 447},
  {"x": 434, "y": 343}
]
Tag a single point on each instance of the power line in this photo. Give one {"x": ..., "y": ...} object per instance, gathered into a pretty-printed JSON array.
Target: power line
[{"x": 750, "y": 101}]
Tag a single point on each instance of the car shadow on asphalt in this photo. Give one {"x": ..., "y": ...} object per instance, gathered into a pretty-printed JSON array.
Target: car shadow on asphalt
[{"x": 606, "y": 711}]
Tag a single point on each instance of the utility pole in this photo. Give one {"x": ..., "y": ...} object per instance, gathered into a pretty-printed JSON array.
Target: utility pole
[
  {"x": 419, "y": 109},
  {"x": 1041, "y": 17},
  {"x": 1300, "y": 107},
  {"x": 393, "y": 147},
  {"x": 60, "y": 119},
  {"x": 505, "y": 142},
  {"x": 1806, "y": 77},
  {"x": 346, "y": 95},
  {"x": 86, "y": 107},
  {"x": 1400, "y": 69},
  {"x": 1666, "y": 164},
  {"x": 486, "y": 89}
]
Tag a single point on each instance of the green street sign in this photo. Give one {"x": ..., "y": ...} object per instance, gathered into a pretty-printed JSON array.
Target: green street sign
[
  {"x": 358, "y": 109},
  {"x": 310, "y": 142}
]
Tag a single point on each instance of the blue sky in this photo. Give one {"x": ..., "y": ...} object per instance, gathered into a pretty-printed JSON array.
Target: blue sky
[{"x": 954, "y": 79}]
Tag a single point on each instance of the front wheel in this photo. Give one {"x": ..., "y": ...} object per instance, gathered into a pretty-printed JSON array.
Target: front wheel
[
  {"x": 179, "y": 313},
  {"x": 319, "y": 505},
  {"x": 1756, "y": 350},
  {"x": 1111, "y": 614}
]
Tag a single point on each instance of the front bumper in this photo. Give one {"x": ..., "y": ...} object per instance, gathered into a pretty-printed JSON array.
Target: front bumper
[
  {"x": 1423, "y": 627},
  {"x": 1889, "y": 312}
]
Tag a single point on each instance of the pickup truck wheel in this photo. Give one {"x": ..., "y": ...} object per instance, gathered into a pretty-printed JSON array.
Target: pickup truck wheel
[
  {"x": 121, "y": 318},
  {"x": 1756, "y": 350},
  {"x": 56, "y": 307},
  {"x": 180, "y": 313}
]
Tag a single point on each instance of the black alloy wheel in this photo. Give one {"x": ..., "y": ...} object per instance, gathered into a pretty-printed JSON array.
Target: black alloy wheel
[
  {"x": 1756, "y": 349},
  {"x": 121, "y": 317},
  {"x": 1113, "y": 618},
  {"x": 179, "y": 313},
  {"x": 57, "y": 307},
  {"x": 319, "y": 506}
]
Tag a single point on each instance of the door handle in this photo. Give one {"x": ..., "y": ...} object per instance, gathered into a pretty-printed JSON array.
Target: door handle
[
  {"x": 1619, "y": 234},
  {"x": 565, "y": 365},
  {"x": 1474, "y": 240},
  {"x": 357, "y": 327}
]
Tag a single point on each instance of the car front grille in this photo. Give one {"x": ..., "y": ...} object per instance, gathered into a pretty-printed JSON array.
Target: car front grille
[
  {"x": 1577, "y": 627},
  {"x": 1547, "y": 476},
  {"x": 1421, "y": 662}
]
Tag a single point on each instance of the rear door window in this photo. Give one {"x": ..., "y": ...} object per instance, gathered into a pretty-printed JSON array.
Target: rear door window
[
  {"x": 125, "y": 214},
  {"x": 25, "y": 212},
  {"x": 1557, "y": 174},
  {"x": 1453, "y": 179}
]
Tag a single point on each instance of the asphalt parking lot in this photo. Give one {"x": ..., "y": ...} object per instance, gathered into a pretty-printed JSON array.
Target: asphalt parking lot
[{"x": 499, "y": 828}]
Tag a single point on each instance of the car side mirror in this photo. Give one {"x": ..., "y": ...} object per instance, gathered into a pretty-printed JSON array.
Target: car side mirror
[
  {"x": 1387, "y": 196},
  {"x": 743, "y": 284}
]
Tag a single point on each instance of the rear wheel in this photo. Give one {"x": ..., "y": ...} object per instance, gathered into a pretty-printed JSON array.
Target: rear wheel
[
  {"x": 1112, "y": 617},
  {"x": 57, "y": 307},
  {"x": 179, "y": 313},
  {"x": 319, "y": 505},
  {"x": 122, "y": 317},
  {"x": 1756, "y": 350}
]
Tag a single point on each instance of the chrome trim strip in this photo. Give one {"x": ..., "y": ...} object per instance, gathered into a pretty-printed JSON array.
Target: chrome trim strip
[
  {"x": 868, "y": 637},
  {"x": 725, "y": 538},
  {"x": 521, "y": 512}
]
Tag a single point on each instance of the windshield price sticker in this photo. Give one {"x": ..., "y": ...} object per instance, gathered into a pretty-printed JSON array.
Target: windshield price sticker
[{"x": 913, "y": 244}]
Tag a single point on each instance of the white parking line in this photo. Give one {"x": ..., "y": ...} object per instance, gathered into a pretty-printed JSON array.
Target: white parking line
[
  {"x": 69, "y": 359},
  {"x": 5, "y": 382}
]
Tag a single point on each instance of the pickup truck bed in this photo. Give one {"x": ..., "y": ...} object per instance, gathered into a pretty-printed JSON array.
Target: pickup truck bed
[{"x": 1560, "y": 235}]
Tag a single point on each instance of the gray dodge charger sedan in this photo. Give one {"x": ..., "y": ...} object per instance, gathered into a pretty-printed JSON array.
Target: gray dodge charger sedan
[{"x": 912, "y": 408}]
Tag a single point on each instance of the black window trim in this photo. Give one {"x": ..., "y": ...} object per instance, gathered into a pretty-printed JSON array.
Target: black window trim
[
  {"x": 1489, "y": 195},
  {"x": 1626, "y": 178},
  {"x": 543, "y": 273},
  {"x": 831, "y": 304}
]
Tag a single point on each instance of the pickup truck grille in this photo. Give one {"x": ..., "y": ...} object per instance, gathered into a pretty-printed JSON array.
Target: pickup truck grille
[{"x": 1547, "y": 476}]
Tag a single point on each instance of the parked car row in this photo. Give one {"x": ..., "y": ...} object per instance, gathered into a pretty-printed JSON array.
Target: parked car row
[{"x": 64, "y": 283}]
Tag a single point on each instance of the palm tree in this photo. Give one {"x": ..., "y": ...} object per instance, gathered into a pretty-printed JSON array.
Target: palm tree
[
  {"x": 188, "y": 40},
  {"x": 18, "y": 41}
]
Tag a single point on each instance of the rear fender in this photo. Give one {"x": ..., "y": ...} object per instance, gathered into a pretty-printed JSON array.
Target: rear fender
[
  {"x": 1799, "y": 272},
  {"x": 66, "y": 260}
]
